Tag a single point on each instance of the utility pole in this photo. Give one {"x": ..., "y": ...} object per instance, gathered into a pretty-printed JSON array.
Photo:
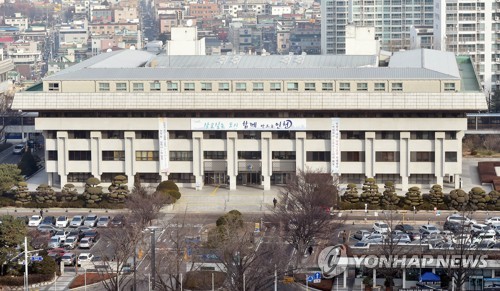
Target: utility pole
[
  {"x": 26, "y": 288},
  {"x": 153, "y": 255},
  {"x": 135, "y": 270}
]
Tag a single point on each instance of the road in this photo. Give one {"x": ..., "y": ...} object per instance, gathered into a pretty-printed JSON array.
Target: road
[{"x": 7, "y": 157}]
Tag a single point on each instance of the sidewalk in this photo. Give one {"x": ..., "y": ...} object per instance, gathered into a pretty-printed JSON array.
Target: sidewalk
[{"x": 62, "y": 282}]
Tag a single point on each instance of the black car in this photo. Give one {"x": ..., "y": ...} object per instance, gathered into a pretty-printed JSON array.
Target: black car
[
  {"x": 76, "y": 233},
  {"x": 453, "y": 226},
  {"x": 406, "y": 228},
  {"x": 118, "y": 221},
  {"x": 93, "y": 234},
  {"x": 50, "y": 220}
]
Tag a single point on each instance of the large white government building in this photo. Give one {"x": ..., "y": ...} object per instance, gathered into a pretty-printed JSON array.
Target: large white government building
[{"x": 254, "y": 120}]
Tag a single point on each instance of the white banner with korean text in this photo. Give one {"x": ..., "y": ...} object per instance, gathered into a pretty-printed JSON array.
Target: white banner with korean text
[
  {"x": 335, "y": 149},
  {"x": 257, "y": 124},
  {"x": 163, "y": 144}
]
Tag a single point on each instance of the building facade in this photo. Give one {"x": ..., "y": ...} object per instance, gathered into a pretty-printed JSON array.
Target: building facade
[
  {"x": 255, "y": 120},
  {"x": 392, "y": 20}
]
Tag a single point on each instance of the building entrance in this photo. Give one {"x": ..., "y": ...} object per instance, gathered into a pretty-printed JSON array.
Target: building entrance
[
  {"x": 279, "y": 178},
  {"x": 253, "y": 178},
  {"x": 216, "y": 178}
]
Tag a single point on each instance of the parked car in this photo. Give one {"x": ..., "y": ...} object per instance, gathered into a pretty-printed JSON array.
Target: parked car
[
  {"x": 54, "y": 242},
  {"x": 401, "y": 238},
  {"x": 453, "y": 226},
  {"x": 86, "y": 243},
  {"x": 496, "y": 228},
  {"x": 406, "y": 228},
  {"x": 118, "y": 221},
  {"x": 486, "y": 244},
  {"x": 103, "y": 221},
  {"x": 381, "y": 227},
  {"x": 59, "y": 251},
  {"x": 48, "y": 220},
  {"x": 495, "y": 220},
  {"x": 414, "y": 235},
  {"x": 76, "y": 233},
  {"x": 361, "y": 234},
  {"x": 35, "y": 220},
  {"x": 62, "y": 234},
  {"x": 462, "y": 239},
  {"x": 68, "y": 259},
  {"x": 374, "y": 239},
  {"x": 460, "y": 219},
  {"x": 476, "y": 229},
  {"x": 92, "y": 234},
  {"x": 489, "y": 235},
  {"x": 56, "y": 256},
  {"x": 430, "y": 228},
  {"x": 18, "y": 149},
  {"x": 70, "y": 242},
  {"x": 90, "y": 220},
  {"x": 361, "y": 244},
  {"x": 47, "y": 228},
  {"x": 84, "y": 258},
  {"x": 84, "y": 228},
  {"x": 76, "y": 221},
  {"x": 432, "y": 237},
  {"x": 62, "y": 221}
]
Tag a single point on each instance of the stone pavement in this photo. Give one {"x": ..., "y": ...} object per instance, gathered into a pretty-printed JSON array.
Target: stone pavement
[{"x": 62, "y": 282}]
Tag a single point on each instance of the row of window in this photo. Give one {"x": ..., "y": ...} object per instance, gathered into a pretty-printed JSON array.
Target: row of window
[
  {"x": 184, "y": 134},
  {"x": 382, "y": 178},
  {"x": 108, "y": 177},
  {"x": 244, "y": 86},
  {"x": 394, "y": 157}
]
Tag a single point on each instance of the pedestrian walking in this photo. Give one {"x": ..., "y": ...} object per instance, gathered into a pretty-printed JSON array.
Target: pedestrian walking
[
  {"x": 275, "y": 202},
  {"x": 41, "y": 212},
  {"x": 344, "y": 236},
  {"x": 310, "y": 250}
]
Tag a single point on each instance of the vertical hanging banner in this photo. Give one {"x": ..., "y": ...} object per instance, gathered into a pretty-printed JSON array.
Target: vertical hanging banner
[
  {"x": 335, "y": 146},
  {"x": 163, "y": 144}
]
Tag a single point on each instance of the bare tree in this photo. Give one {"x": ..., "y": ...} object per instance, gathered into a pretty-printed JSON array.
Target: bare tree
[
  {"x": 304, "y": 207},
  {"x": 144, "y": 205}
]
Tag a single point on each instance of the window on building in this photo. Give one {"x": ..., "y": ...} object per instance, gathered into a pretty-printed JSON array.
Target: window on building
[
  {"x": 310, "y": 86},
  {"x": 362, "y": 86},
  {"x": 113, "y": 155},
  {"x": 52, "y": 155},
  {"x": 54, "y": 87},
  {"x": 249, "y": 134},
  {"x": 275, "y": 86},
  {"x": 318, "y": 156},
  {"x": 282, "y": 155},
  {"x": 188, "y": 86},
  {"x": 138, "y": 87},
  {"x": 387, "y": 156},
  {"x": 149, "y": 177},
  {"x": 327, "y": 86},
  {"x": 352, "y": 135},
  {"x": 206, "y": 86},
  {"x": 224, "y": 86},
  {"x": 379, "y": 87},
  {"x": 214, "y": 135},
  {"x": 249, "y": 155},
  {"x": 241, "y": 86},
  {"x": 450, "y": 135},
  {"x": 181, "y": 156},
  {"x": 283, "y": 135},
  {"x": 258, "y": 86},
  {"x": 79, "y": 155},
  {"x": 344, "y": 86},
  {"x": 292, "y": 86},
  {"x": 429, "y": 135},
  {"x": 397, "y": 87},
  {"x": 318, "y": 135},
  {"x": 387, "y": 135},
  {"x": 120, "y": 87},
  {"x": 146, "y": 134},
  {"x": 78, "y": 177},
  {"x": 172, "y": 86},
  {"x": 422, "y": 179},
  {"x": 146, "y": 155},
  {"x": 79, "y": 134},
  {"x": 109, "y": 177},
  {"x": 450, "y": 157},
  {"x": 382, "y": 178},
  {"x": 182, "y": 177},
  {"x": 103, "y": 87},
  {"x": 180, "y": 134},
  {"x": 155, "y": 86},
  {"x": 113, "y": 134},
  {"x": 352, "y": 156},
  {"x": 352, "y": 178},
  {"x": 449, "y": 87},
  {"x": 215, "y": 155},
  {"x": 421, "y": 156}
]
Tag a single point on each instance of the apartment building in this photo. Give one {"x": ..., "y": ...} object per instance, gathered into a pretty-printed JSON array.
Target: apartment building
[
  {"x": 392, "y": 20},
  {"x": 254, "y": 120}
]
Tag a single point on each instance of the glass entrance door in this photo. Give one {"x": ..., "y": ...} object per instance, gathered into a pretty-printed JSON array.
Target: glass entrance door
[
  {"x": 253, "y": 178},
  {"x": 215, "y": 178}
]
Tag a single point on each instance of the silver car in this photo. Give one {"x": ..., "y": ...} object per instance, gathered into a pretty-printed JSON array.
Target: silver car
[
  {"x": 103, "y": 221},
  {"x": 91, "y": 220},
  {"x": 70, "y": 242},
  {"x": 76, "y": 221},
  {"x": 54, "y": 242},
  {"x": 85, "y": 243}
]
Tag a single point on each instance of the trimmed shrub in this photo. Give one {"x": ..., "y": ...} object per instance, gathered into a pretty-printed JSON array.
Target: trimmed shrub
[
  {"x": 436, "y": 196},
  {"x": 371, "y": 194},
  {"x": 167, "y": 185},
  {"x": 390, "y": 197},
  {"x": 478, "y": 198},
  {"x": 118, "y": 190},
  {"x": 351, "y": 194},
  {"x": 413, "y": 198},
  {"x": 22, "y": 195},
  {"x": 459, "y": 199},
  {"x": 175, "y": 194},
  {"x": 93, "y": 192}
]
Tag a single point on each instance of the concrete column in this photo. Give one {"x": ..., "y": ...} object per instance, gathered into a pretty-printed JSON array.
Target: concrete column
[
  {"x": 345, "y": 279},
  {"x": 439, "y": 157},
  {"x": 457, "y": 178},
  {"x": 374, "y": 279},
  {"x": 198, "y": 159},
  {"x": 300, "y": 151},
  {"x": 492, "y": 273},
  {"x": 404, "y": 278},
  {"x": 62, "y": 156},
  {"x": 267, "y": 166},
  {"x": 129, "y": 148},
  {"x": 404, "y": 158},
  {"x": 96, "y": 153},
  {"x": 232, "y": 158},
  {"x": 50, "y": 179},
  {"x": 370, "y": 154}
]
